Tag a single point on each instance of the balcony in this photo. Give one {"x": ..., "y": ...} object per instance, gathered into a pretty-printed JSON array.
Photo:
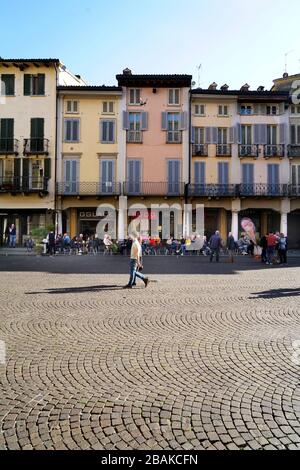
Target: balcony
[
  {"x": 264, "y": 190},
  {"x": 75, "y": 188},
  {"x": 294, "y": 190},
  {"x": 223, "y": 150},
  {"x": 213, "y": 190},
  {"x": 293, "y": 151},
  {"x": 24, "y": 185},
  {"x": 36, "y": 146},
  {"x": 274, "y": 151},
  {"x": 200, "y": 150},
  {"x": 146, "y": 188},
  {"x": 9, "y": 147},
  {"x": 248, "y": 150},
  {"x": 134, "y": 137},
  {"x": 173, "y": 137}
]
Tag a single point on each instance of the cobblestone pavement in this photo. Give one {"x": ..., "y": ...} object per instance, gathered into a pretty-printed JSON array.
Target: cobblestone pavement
[{"x": 191, "y": 362}]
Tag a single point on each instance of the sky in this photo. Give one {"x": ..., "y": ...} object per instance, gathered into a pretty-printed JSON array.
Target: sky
[{"x": 235, "y": 41}]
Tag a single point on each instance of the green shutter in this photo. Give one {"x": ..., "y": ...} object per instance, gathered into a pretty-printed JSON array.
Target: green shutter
[
  {"x": 7, "y": 129},
  {"x": 41, "y": 84},
  {"x": 17, "y": 166},
  {"x": 25, "y": 178},
  {"x": 37, "y": 128},
  {"x": 27, "y": 84},
  {"x": 47, "y": 168}
]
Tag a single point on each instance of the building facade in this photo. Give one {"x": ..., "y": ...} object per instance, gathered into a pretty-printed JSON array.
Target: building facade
[{"x": 28, "y": 141}]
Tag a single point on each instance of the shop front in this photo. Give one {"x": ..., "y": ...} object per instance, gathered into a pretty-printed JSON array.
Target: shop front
[
  {"x": 24, "y": 220},
  {"x": 259, "y": 221}
]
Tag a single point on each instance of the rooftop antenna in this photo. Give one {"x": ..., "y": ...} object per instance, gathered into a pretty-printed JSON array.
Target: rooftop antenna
[
  {"x": 198, "y": 69},
  {"x": 285, "y": 60}
]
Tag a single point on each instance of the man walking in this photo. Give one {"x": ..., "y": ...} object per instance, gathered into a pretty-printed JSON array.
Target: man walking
[
  {"x": 231, "y": 247},
  {"x": 135, "y": 262},
  {"x": 12, "y": 236},
  {"x": 271, "y": 242},
  {"x": 51, "y": 242},
  {"x": 215, "y": 244}
]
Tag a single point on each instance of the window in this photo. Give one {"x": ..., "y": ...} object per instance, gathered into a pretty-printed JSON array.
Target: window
[
  {"x": 107, "y": 131},
  {"x": 295, "y": 109},
  {"x": 71, "y": 173},
  {"x": 222, "y": 135},
  {"x": 246, "y": 135},
  {"x": 37, "y": 135},
  {"x": 223, "y": 110},
  {"x": 199, "y": 109},
  {"x": 7, "y": 85},
  {"x": 36, "y": 173},
  {"x": 296, "y": 175},
  {"x": 295, "y": 135},
  {"x": 34, "y": 84},
  {"x": 174, "y": 96},
  {"x": 246, "y": 109},
  {"x": 107, "y": 168},
  {"x": 108, "y": 107},
  {"x": 72, "y": 107},
  {"x": 134, "y": 176},
  {"x": 134, "y": 131},
  {"x": 6, "y": 135},
  {"x": 72, "y": 130},
  {"x": 173, "y": 135},
  {"x": 223, "y": 172},
  {"x": 135, "y": 96},
  {"x": 271, "y": 135},
  {"x": 173, "y": 176},
  {"x": 199, "y": 135},
  {"x": 271, "y": 110}
]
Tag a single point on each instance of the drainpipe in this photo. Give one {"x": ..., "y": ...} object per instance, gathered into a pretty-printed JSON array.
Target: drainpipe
[{"x": 56, "y": 151}]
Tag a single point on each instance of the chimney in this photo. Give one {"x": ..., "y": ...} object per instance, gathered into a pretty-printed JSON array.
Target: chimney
[
  {"x": 213, "y": 86},
  {"x": 285, "y": 75},
  {"x": 127, "y": 71},
  {"x": 260, "y": 88},
  {"x": 224, "y": 87},
  {"x": 245, "y": 87},
  {"x": 78, "y": 76}
]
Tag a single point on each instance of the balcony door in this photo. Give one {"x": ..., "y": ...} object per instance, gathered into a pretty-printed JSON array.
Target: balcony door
[
  {"x": 134, "y": 176},
  {"x": 36, "y": 174},
  {"x": 71, "y": 175},
  {"x": 6, "y": 135},
  {"x": 107, "y": 176},
  {"x": 273, "y": 178},
  {"x": 37, "y": 135},
  {"x": 248, "y": 178},
  {"x": 173, "y": 176}
]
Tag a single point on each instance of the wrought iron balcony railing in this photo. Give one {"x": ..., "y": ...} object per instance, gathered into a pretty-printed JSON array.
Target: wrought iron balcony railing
[
  {"x": 76, "y": 188},
  {"x": 9, "y": 146},
  {"x": 293, "y": 151},
  {"x": 23, "y": 185},
  {"x": 274, "y": 151},
  {"x": 135, "y": 137},
  {"x": 200, "y": 150},
  {"x": 294, "y": 190},
  {"x": 248, "y": 150},
  {"x": 36, "y": 146},
  {"x": 213, "y": 190},
  {"x": 146, "y": 188},
  {"x": 264, "y": 190},
  {"x": 223, "y": 150}
]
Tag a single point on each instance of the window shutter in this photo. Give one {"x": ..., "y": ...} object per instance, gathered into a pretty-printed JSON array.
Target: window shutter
[
  {"x": 41, "y": 84},
  {"x": 232, "y": 135},
  {"x": 220, "y": 112},
  {"x": 75, "y": 136},
  {"x": 164, "y": 121},
  {"x": 7, "y": 128},
  {"x": 298, "y": 135},
  {"x": 37, "y": 128},
  {"x": 75, "y": 106},
  {"x": 239, "y": 133},
  {"x": 256, "y": 109},
  {"x": 214, "y": 135},
  {"x": 183, "y": 121},
  {"x": 47, "y": 168},
  {"x": 3, "y": 86},
  {"x": 282, "y": 133},
  {"x": 27, "y": 84},
  {"x": 131, "y": 96},
  {"x": 17, "y": 167},
  {"x": 293, "y": 134},
  {"x": 126, "y": 119},
  {"x": 111, "y": 136},
  {"x": 225, "y": 110},
  {"x": 111, "y": 106},
  {"x": 171, "y": 96},
  {"x": 69, "y": 106},
  {"x": 263, "y": 133},
  {"x": 256, "y": 134},
  {"x": 67, "y": 130},
  {"x": 208, "y": 135},
  {"x": 199, "y": 169},
  {"x": 144, "y": 120},
  {"x": 26, "y": 167},
  {"x": 105, "y": 106},
  {"x": 103, "y": 131},
  {"x": 294, "y": 175}
]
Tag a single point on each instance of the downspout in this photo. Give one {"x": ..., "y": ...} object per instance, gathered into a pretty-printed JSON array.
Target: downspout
[{"x": 56, "y": 151}]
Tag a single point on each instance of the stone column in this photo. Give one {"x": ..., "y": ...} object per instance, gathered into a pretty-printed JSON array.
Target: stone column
[
  {"x": 59, "y": 221},
  {"x": 235, "y": 224},
  {"x": 283, "y": 223},
  {"x": 122, "y": 218}
]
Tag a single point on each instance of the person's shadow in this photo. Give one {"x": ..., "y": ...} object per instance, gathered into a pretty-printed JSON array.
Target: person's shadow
[
  {"x": 77, "y": 290},
  {"x": 276, "y": 293}
]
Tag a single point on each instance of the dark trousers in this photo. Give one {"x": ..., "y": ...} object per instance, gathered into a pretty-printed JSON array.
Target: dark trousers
[
  {"x": 282, "y": 256},
  {"x": 264, "y": 255},
  {"x": 52, "y": 248},
  {"x": 215, "y": 251}
]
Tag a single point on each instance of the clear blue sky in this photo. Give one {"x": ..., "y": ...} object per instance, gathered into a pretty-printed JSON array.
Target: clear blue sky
[{"x": 236, "y": 41}]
